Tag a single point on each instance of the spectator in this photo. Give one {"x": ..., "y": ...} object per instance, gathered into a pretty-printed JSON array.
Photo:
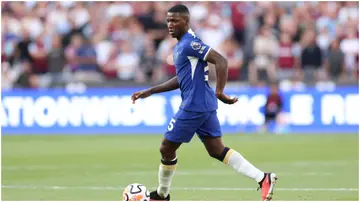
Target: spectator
[
  {"x": 110, "y": 68},
  {"x": 10, "y": 26},
  {"x": 349, "y": 12},
  {"x": 27, "y": 79},
  {"x": 6, "y": 81},
  {"x": 32, "y": 23},
  {"x": 31, "y": 30},
  {"x": 23, "y": 46},
  {"x": 271, "y": 21},
  {"x": 137, "y": 36},
  {"x": 287, "y": 56},
  {"x": 127, "y": 63},
  {"x": 328, "y": 21},
  {"x": 56, "y": 60},
  {"x": 334, "y": 64},
  {"x": 58, "y": 19},
  {"x": 74, "y": 30},
  {"x": 311, "y": 57},
  {"x": 145, "y": 16},
  {"x": 158, "y": 30},
  {"x": 81, "y": 57},
  {"x": 265, "y": 50},
  {"x": 103, "y": 49},
  {"x": 149, "y": 64},
  {"x": 303, "y": 20},
  {"x": 323, "y": 40},
  {"x": 39, "y": 54},
  {"x": 86, "y": 65},
  {"x": 15, "y": 59},
  {"x": 238, "y": 21},
  {"x": 212, "y": 34},
  {"x": 123, "y": 9},
  {"x": 164, "y": 55},
  {"x": 79, "y": 14},
  {"x": 118, "y": 29},
  {"x": 350, "y": 47},
  {"x": 231, "y": 50},
  {"x": 70, "y": 51},
  {"x": 199, "y": 12},
  {"x": 288, "y": 25}
]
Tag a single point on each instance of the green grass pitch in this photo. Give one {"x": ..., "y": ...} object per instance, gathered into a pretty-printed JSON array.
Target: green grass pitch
[{"x": 98, "y": 167}]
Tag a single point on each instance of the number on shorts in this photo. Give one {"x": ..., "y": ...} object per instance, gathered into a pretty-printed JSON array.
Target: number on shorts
[{"x": 171, "y": 125}]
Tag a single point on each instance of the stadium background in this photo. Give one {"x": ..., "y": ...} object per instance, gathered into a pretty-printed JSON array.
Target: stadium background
[{"x": 71, "y": 67}]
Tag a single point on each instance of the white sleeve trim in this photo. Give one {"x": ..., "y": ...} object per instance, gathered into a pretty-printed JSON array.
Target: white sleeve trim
[{"x": 205, "y": 57}]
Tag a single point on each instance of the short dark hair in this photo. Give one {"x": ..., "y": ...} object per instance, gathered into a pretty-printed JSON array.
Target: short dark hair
[{"x": 179, "y": 8}]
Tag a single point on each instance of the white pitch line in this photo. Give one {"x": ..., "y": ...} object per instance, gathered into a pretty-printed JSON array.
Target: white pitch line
[
  {"x": 61, "y": 167},
  {"x": 149, "y": 172},
  {"x": 173, "y": 188},
  {"x": 222, "y": 173}
]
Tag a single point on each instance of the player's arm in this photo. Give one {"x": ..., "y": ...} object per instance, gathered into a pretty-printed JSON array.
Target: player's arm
[
  {"x": 197, "y": 48},
  {"x": 221, "y": 68},
  {"x": 169, "y": 85}
]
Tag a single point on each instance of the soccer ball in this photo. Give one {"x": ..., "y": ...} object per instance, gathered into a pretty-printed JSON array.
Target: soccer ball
[{"x": 136, "y": 192}]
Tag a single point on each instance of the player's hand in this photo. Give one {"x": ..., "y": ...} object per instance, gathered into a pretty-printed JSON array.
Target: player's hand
[
  {"x": 140, "y": 94},
  {"x": 226, "y": 99}
]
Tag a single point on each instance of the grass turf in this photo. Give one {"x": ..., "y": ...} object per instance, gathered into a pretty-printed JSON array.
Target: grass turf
[{"x": 98, "y": 167}]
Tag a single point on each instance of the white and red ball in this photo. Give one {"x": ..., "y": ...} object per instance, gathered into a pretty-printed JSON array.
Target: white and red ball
[{"x": 136, "y": 192}]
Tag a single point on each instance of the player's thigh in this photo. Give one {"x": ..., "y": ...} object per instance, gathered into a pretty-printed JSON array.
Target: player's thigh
[
  {"x": 210, "y": 127},
  {"x": 211, "y": 136},
  {"x": 183, "y": 126}
]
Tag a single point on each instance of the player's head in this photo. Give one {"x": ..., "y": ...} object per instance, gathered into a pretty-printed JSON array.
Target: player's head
[{"x": 178, "y": 18}]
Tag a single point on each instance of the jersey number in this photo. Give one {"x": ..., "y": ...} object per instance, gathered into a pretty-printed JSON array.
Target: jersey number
[
  {"x": 206, "y": 70},
  {"x": 171, "y": 125}
]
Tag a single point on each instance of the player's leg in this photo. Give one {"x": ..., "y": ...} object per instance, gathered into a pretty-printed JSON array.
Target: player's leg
[
  {"x": 166, "y": 169},
  {"x": 181, "y": 129},
  {"x": 210, "y": 134},
  {"x": 231, "y": 157}
]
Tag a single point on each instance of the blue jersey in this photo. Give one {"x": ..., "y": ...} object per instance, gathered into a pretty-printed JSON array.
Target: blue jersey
[{"x": 192, "y": 71}]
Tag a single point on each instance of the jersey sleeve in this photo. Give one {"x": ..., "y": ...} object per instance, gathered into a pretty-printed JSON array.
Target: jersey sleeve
[{"x": 196, "y": 48}]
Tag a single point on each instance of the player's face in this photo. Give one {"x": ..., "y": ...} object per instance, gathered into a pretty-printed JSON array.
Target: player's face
[{"x": 176, "y": 24}]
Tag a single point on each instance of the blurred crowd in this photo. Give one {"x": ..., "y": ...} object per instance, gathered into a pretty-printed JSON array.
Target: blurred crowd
[{"x": 50, "y": 44}]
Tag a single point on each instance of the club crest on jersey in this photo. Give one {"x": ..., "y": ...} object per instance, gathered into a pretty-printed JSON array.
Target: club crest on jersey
[{"x": 195, "y": 45}]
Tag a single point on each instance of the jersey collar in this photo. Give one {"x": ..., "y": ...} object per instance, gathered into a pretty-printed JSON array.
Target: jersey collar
[{"x": 189, "y": 32}]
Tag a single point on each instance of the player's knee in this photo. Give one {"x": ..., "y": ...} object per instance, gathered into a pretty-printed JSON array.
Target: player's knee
[
  {"x": 219, "y": 154},
  {"x": 163, "y": 150},
  {"x": 167, "y": 153},
  {"x": 215, "y": 154}
]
